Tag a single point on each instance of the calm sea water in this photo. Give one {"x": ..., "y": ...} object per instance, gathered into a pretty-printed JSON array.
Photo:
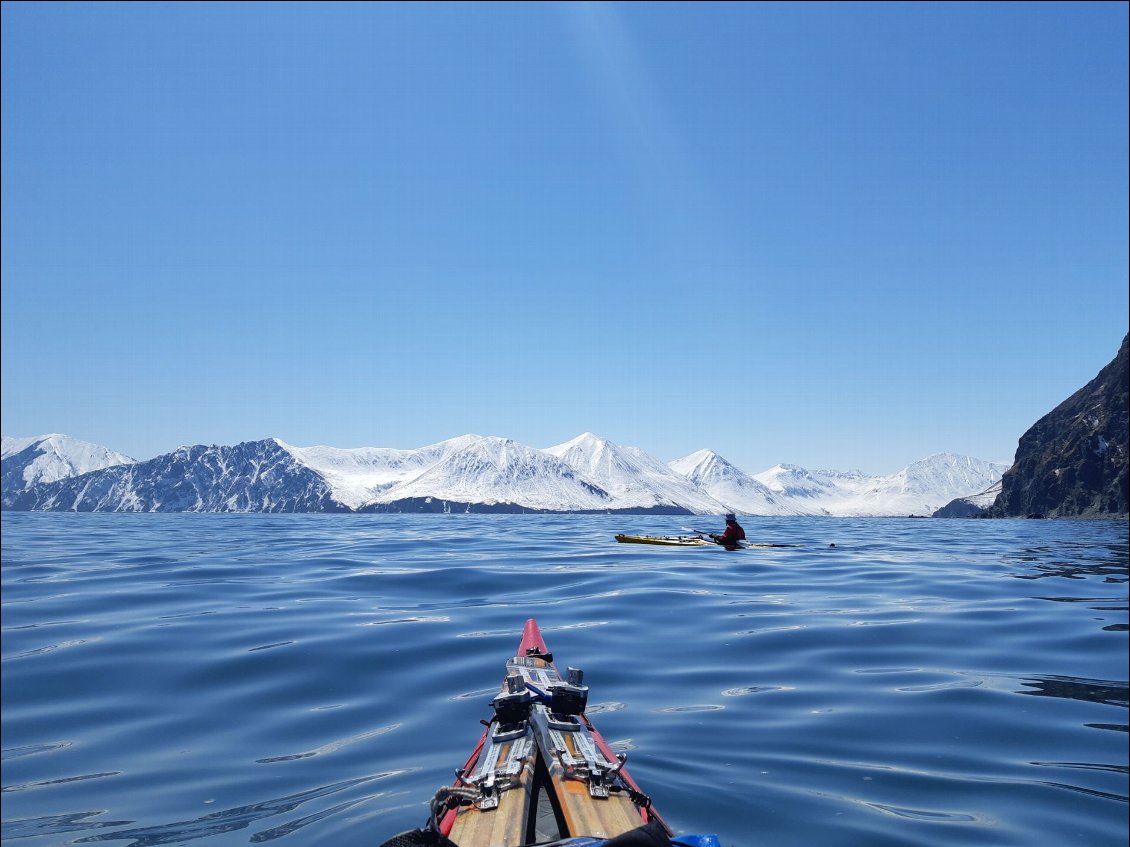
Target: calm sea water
[{"x": 311, "y": 679}]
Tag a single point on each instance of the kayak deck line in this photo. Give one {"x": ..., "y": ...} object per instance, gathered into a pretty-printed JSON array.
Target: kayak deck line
[{"x": 541, "y": 772}]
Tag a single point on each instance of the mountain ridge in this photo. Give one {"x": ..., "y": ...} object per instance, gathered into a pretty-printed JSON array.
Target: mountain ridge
[{"x": 468, "y": 473}]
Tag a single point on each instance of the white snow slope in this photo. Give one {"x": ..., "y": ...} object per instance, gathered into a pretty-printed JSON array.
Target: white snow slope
[
  {"x": 986, "y": 498},
  {"x": 358, "y": 476},
  {"x": 493, "y": 471},
  {"x": 60, "y": 456}
]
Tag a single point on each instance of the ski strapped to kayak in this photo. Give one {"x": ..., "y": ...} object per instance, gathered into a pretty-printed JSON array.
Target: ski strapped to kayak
[{"x": 541, "y": 773}]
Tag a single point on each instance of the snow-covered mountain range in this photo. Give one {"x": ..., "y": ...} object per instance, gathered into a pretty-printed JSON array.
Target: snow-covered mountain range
[
  {"x": 467, "y": 473},
  {"x": 918, "y": 489}
]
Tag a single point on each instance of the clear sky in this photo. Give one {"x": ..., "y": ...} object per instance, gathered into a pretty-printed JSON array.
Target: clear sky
[{"x": 842, "y": 236}]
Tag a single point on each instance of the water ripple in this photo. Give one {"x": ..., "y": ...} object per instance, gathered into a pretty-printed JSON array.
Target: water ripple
[
  {"x": 332, "y": 747},
  {"x": 919, "y": 683},
  {"x": 63, "y": 780},
  {"x": 33, "y": 749},
  {"x": 229, "y": 820},
  {"x": 924, "y": 814}
]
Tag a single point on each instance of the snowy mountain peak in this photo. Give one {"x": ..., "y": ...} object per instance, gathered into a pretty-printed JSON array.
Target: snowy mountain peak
[
  {"x": 731, "y": 485},
  {"x": 697, "y": 463},
  {"x": 48, "y": 458},
  {"x": 947, "y": 472},
  {"x": 635, "y": 479},
  {"x": 11, "y": 446},
  {"x": 589, "y": 437},
  {"x": 794, "y": 481},
  {"x": 586, "y": 444}
]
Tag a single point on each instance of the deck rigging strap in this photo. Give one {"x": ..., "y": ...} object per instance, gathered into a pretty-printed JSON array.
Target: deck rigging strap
[
  {"x": 637, "y": 797},
  {"x": 448, "y": 797}
]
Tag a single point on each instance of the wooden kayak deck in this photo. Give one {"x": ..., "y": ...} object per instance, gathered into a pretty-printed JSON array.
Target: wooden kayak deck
[{"x": 540, "y": 763}]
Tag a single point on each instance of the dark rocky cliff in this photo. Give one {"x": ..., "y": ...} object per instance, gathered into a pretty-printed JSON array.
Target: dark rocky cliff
[
  {"x": 256, "y": 476},
  {"x": 1073, "y": 461}
]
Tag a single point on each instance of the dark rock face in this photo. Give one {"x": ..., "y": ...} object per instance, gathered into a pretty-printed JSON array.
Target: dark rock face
[
  {"x": 256, "y": 476},
  {"x": 1073, "y": 461}
]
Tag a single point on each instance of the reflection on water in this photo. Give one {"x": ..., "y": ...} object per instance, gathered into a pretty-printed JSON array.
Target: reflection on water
[
  {"x": 56, "y": 825},
  {"x": 1075, "y": 561},
  {"x": 1091, "y": 690}
]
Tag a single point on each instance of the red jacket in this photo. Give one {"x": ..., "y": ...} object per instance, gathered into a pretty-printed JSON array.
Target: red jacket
[{"x": 733, "y": 534}]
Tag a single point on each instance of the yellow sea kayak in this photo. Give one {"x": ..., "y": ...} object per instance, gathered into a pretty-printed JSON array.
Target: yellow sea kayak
[
  {"x": 667, "y": 540},
  {"x": 690, "y": 541}
]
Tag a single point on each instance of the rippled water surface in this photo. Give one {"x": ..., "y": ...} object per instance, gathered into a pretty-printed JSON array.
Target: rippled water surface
[{"x": 312, "y": 679}]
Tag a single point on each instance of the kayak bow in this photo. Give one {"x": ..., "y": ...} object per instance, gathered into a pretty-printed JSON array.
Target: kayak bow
[{"x": 542, "y": 773}]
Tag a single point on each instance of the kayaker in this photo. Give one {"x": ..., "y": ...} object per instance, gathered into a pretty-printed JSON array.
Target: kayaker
[{"x": 733, "y": 534}]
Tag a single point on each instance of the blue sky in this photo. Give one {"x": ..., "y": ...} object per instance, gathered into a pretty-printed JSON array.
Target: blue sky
[{"x": 842, "y": 236}]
